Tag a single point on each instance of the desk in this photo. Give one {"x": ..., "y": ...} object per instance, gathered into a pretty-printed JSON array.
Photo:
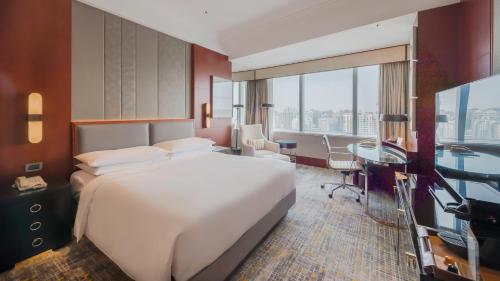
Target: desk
[{"x": 377, "y": 155}]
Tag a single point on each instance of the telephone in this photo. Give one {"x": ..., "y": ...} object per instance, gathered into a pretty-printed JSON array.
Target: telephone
[{"x": 24, "y": 183}]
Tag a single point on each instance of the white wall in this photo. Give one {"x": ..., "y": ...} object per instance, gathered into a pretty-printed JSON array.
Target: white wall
[{"x": 311, "y": 145}]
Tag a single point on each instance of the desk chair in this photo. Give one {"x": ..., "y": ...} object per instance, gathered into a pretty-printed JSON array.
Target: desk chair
[{"x": 346, "y": 168}]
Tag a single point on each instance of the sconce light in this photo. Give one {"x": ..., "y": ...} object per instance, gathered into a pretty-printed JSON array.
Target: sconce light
[
  {"x": 207, "y": 115},
  {"x": 35, "y": 126}
]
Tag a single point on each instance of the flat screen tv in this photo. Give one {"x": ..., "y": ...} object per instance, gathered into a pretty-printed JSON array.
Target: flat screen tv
[
  {"x": 467, "y": 156},
  {"x": 468, "y": 129}
]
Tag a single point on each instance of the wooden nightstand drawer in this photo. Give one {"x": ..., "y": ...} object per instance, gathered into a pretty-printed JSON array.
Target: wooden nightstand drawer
[{"x": 34, "y": 222}]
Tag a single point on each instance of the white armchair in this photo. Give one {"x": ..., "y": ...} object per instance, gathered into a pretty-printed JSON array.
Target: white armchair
[{"x": 254, "y": 132}]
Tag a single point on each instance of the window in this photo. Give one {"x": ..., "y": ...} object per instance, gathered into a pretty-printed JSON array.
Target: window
[
  {"x": 286, "y": 103},
  {"x": 239, "y": 97},
  {"x": 328, "y": 102},
  {"x": 368, "y": 79},
  {"x": 337, "y": 102}
]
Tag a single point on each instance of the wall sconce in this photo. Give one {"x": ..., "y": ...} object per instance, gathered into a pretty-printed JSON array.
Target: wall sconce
[
  {"x": 35, "y": 127},
  {"x": 206, "y": 112}
]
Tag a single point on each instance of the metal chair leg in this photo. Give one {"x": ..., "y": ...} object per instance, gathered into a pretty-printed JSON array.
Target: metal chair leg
[{"x": 343, "y": 185}]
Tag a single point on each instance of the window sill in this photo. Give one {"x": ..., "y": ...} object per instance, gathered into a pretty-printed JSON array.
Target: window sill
[{"x": 319, "y": 134}]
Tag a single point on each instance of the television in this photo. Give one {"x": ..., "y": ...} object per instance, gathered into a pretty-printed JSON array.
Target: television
[
  {"x": 467, "y": 157},
  {"x": 468, "y": 131}
]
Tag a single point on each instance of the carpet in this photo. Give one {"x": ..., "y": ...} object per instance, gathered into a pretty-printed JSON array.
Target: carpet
[{"x": 319, "y": 239}]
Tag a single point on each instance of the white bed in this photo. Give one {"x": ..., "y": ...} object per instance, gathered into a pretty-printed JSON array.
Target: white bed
[
  {"x": 178, "y": 216},
  {"x": 191, "y": 218},
  {"x": 79, "y": 180}
]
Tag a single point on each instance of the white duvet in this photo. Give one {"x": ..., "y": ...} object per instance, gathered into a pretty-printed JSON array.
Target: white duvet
[{"x": 176, "y": 217}]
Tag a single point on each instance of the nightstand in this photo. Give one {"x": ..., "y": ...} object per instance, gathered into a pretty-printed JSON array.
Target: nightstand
[{"x": 34, "y": 221}]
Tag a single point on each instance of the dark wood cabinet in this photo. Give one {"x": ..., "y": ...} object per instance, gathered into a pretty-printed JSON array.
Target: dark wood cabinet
[{"x": 32, "y": 222}]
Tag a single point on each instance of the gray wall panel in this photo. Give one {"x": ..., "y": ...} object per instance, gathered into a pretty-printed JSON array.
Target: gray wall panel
[
  {"x": 128, "y": 69},
  {"x": 122, "y": 70},
  {"x": 87, "y": 68},
  {"x": 171, "y": 77},
  {"x": 147, "y": 73},
  {"x": 112, "y": 66},
  {"x": 188, "y": 80}
]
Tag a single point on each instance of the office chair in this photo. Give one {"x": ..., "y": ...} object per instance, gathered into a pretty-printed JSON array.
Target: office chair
[{"x": 346, "y": 168}]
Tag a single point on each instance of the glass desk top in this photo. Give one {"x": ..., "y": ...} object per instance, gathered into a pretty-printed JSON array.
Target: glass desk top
[
  {"x": 479, "y": 162},
  {"x": 378, "y": 154}
]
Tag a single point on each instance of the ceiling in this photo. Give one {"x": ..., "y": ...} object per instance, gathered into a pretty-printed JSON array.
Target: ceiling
[
  {"x": 388, "y": 33},
  {"x": 239, "y": 28}
]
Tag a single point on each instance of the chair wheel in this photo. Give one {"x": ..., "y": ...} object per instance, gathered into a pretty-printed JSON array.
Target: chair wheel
[
  {"x": 330, "y": 195},
  {"x": 322, "y": 186},
  {"x": 362, "y": 192},
  {"x": 358, "y": 200}
]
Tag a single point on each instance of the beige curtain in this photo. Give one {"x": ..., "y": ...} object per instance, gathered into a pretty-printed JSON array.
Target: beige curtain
[
  {"x": 393, "y": 87},
  {"x": 258, "y": 94},
  {"x": 250, "y": 103}
]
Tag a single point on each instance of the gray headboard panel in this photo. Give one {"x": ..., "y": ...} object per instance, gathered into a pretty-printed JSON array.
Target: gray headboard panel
[
  {"x": 111, "y": 136},
  {"x": 164, "y": 131}
]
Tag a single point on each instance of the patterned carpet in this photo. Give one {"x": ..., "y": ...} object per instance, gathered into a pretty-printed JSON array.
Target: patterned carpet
[{"x": 320, "y": 239}]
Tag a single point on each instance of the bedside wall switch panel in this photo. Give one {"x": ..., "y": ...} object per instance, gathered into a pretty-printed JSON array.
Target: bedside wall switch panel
[{"x": 33, "y": 167}]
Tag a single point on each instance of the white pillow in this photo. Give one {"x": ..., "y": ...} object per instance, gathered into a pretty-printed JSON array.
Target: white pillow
[
  {"x": 98, "y": 171},
  {"x": 257, "y": 143},
  {"x": 185, "y": 154},
  {"x": 186, "y": 144},
  {"x": 121, "y": 156}
]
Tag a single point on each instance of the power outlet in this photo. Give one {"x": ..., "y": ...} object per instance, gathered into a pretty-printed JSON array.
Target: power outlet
[{"x": 33, "y": 167}]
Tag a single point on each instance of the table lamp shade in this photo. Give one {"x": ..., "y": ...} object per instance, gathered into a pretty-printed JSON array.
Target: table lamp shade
[
  {"x": 238, "y": 106},
  {"x": 267, "y": 105},
  {"x": 393, "y": 118}
]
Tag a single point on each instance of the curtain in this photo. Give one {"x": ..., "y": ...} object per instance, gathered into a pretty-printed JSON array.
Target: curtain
[
  {"x": 393, "y": 94},
  {"x": 258, "y": 93},
  {"x": 250, "y": 103}
]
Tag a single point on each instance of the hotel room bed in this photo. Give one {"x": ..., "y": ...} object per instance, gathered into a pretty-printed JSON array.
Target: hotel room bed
[{"x": 194, "y": 218}]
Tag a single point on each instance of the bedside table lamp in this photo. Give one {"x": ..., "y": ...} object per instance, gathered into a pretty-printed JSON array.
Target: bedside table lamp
[
  {"x": 238, "y": 108},
  {"x": 35, "y": 126},
  {"x": 268, "y": 106},
  {"x": 396, "y": 118}
]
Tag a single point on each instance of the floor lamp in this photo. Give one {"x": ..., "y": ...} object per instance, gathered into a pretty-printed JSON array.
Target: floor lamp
[
  {"x": 238, "y": 108},
  {"x": 268, "y": 106}
]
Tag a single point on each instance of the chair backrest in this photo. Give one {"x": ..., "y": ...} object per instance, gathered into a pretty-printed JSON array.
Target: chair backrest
[
  {"x": 251, "y": 132},
  {"x": 328, "y": 147}
]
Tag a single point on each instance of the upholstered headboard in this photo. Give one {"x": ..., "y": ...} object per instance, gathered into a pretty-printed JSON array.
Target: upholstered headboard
[
  {"x": 164, "y": 131},
  {"x": 94, "y": 137},
  {"x": 105, "y": 135}
]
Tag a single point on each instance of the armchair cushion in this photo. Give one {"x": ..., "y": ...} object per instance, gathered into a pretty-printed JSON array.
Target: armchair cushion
[{"x": 258, "y": 144}]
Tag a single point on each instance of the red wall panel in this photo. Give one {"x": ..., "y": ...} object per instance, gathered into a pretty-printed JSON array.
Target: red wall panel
[
  {"x": 207, "y": 63},
  {"x": 453, "y": 48},
  {"x": 35, "y": 56}
]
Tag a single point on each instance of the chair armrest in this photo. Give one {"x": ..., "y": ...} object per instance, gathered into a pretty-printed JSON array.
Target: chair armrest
[
  {"x": 272, "y": 146},
  {"x": 247, "y": 150}
]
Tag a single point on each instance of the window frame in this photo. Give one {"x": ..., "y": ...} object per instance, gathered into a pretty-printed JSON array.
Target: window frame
[{"x": 354, "y": 106}]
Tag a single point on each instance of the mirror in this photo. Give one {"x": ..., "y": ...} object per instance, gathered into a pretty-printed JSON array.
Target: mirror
[{"x": 222, "y": 98}]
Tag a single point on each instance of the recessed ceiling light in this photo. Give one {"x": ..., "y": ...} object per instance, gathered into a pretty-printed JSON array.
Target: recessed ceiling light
[{"x": 205, "y": 12}]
